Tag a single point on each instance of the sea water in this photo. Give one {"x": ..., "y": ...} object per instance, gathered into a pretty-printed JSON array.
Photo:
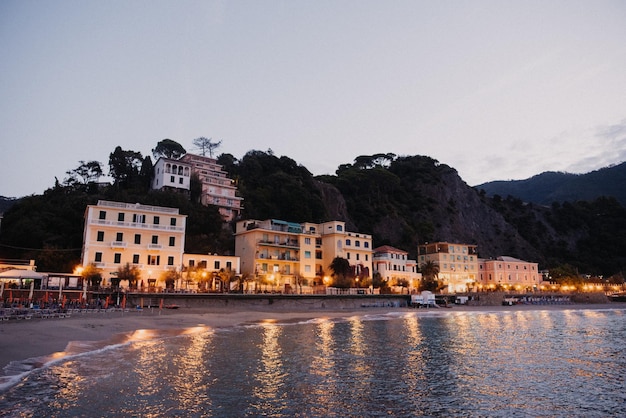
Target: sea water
[{"x": 540, "y": 363}]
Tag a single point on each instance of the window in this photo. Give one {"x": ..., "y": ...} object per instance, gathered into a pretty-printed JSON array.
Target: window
[
  {"x": 357, "y": 256},
  {"x": 157, "y": 220},
  {"x": 137, "y": 238},
  {"x": 192, "y": 263},
  {"x": 357, "y": 243},
  {"x": 348, "y": 256},
  {"x": 103, "y": 214},
  {"x": 173, "y": 222},
  {"x": 170, "y": 260},
  {"x": 155, "y": 239},
  {"x": 367, "y": 257},
  {"x": 171, "y": 179},
  {"x": 172, "y": 241},
  {"x": 307, "y": 269},
  {"x": 154, "y": 260},
  {"x": 229, "y": 265},
  {"x": 135, "y": 258},
  {"x": 139, "y": 219},
  {"x": 216, "y": 265},
  {"x": 366, "y": 244},
  {"x": 100, "y": 236},
  {"x": 307, "y": 254},
  {"x": 339, "y": 228},
  {"x": 119, "y": 237},
  {"x": 120, "y": 217},
  {"x": 98, "y": 258},
  {"x": 180, "y": 180},
  {"x": 117, "y": 258},
  {"x": 307, "y": 241},
  {"x": 348, "y": 242}
]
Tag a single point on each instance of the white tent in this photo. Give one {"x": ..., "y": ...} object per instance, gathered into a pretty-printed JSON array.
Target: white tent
[{"x": 21, "y": 274}]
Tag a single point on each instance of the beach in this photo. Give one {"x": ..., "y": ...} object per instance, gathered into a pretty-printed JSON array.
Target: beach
[{"x": 31, "y": 338}]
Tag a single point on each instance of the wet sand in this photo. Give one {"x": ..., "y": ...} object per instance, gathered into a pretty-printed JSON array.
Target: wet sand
[{"x": 24, "y": 339}]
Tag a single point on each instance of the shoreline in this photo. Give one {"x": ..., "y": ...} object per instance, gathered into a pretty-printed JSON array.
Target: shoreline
[{"x": 25, "y": 339}]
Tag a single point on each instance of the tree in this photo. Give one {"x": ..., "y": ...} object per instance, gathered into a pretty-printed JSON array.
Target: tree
[
  {"x": 124, "y": 165},
  {"x": 127, "y": 272},
  {"x": 342, "y": 273},
  {"x": 430, "y": 273},
  {"x": 92, "y": 275},
  {"x": 169, "y": 277},
  {"x": 86, "y": 172},
  {"x": 206, "y": 145},
  {"x": 169, "y": 149}
]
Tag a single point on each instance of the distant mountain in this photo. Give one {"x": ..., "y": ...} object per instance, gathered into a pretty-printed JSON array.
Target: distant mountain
[{"x": 549, "y": 187}]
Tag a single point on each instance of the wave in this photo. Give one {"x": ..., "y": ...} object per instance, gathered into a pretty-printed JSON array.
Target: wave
[{"x": 15, "y": 371}]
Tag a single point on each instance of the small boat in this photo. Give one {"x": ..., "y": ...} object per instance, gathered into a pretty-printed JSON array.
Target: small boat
[{"x": 172, "y": 306}]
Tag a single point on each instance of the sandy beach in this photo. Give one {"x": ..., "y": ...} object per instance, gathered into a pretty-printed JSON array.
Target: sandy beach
[{"x": 24, "y": 339}]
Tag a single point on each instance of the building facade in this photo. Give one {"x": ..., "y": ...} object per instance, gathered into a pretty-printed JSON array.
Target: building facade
[
  {"x": 150, "y": 238},
  {"x": 217, "y": 188},
  {"x": 285, "y": 255},
  {"x": 172, "y": 175},
  {"x": 395, "y": 268},
  {"x": 508, "y": 273},
  {"x": 210, "y": 272},
  {"x": 458, "y": 264}
]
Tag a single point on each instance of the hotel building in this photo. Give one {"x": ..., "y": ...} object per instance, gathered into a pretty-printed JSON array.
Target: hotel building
[
  {"x": 217, "y": 188},
  {"x": 151, "y": 238},
  {"x": 283, "y": 253},
  {"x": 458, "y": 264},
  {"x": 394, "y": 266},
  {"x": 508, "y": 273}
]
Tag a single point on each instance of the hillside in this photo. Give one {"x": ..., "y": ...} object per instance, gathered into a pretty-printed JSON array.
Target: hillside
[
  {"x": 548, "y": 187},
  {"x": 400, "y": 201}
]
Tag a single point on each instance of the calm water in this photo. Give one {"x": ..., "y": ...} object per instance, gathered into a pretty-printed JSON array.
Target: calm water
[{"x": 506, "y": 364}]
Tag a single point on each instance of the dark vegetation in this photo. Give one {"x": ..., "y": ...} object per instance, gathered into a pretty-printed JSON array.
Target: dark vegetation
[{"x": 401, "y": 201}]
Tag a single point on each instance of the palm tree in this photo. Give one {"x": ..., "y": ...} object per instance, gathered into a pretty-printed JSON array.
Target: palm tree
[{"x": 430, "y": 274}]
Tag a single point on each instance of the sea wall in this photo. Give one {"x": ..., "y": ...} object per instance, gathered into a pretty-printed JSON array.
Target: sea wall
[{"x": 264, "y": 301}]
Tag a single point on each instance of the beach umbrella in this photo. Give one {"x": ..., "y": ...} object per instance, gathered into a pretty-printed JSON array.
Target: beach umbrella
[
  {"x": 84, "y": 293},
  {"x": 10, "y": 296},
  {"x": 124, "y": 302},
  {"x": 1, "y": 289},
  {"x": 32, "y": 290},
  {"x": 60, "y": 288}
]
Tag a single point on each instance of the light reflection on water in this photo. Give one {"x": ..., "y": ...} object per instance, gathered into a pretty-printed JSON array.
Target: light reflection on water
[{"x": 518, "y": 363}]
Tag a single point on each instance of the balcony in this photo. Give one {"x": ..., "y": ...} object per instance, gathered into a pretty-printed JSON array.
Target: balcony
[
  {"x": 154, "y": 246},
  {"x": 118, "y": 244}
]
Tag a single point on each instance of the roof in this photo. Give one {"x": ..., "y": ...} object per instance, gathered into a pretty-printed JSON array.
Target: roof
[{"x": 389, "y": 249}]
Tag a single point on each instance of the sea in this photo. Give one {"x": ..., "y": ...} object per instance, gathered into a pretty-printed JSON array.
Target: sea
[{"x": 412, "y": 363}]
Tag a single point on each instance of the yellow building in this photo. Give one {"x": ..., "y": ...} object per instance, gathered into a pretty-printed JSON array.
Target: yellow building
[
  {"x": 284, "y": 255},
  {"x": 508, "y": 273},
  {"x": 208, "y": 272},
  {"x": 458, "y": 264},
  {"x": 150, "y": 238}
]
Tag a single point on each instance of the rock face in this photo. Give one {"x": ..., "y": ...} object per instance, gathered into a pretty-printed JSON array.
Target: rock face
[{"x": 441, "y": 207}]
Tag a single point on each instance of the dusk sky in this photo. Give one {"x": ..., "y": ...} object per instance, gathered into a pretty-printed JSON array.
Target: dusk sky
[{"x": 497, "y": 90}]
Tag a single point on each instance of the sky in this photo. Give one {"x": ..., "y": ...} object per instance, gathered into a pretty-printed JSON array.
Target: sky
[{"x": 498, "y": 90}]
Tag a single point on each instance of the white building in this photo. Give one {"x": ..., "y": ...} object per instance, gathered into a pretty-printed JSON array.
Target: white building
[
  {"x": 150, "y": 238},
  {"x": 394, "y": 267},
  {"x": 217, "y": 188},
  {"x": 171, "y": 174}
]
